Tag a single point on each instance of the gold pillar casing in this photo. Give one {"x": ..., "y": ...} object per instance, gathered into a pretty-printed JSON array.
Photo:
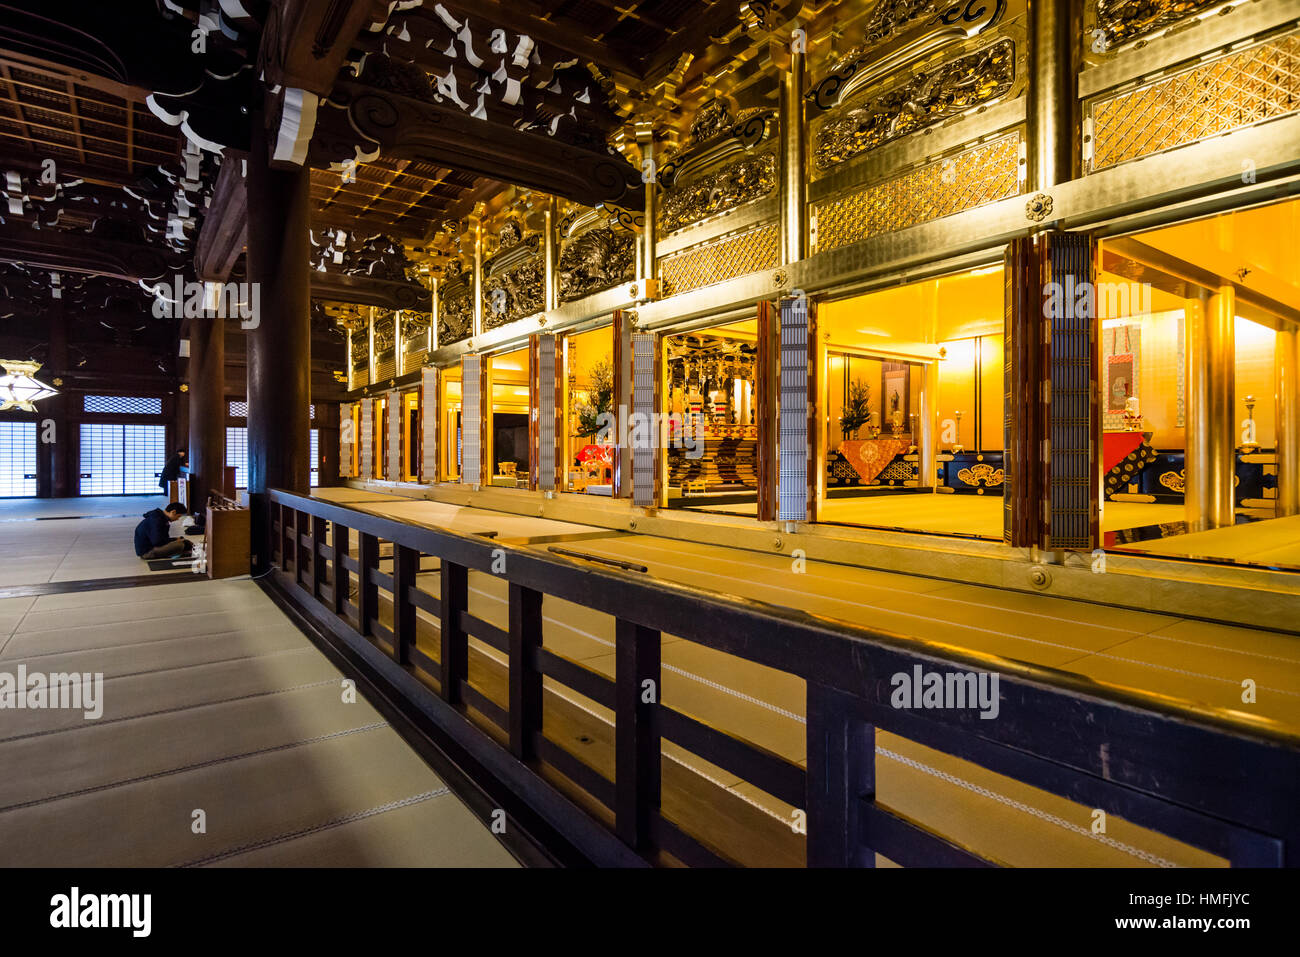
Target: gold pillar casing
[
  {"x": 549, "y": 252},
  {"x": 1287, "y": 382},
  {"x": 371, "y": 356},
  {"x": 1209, "y": 463},
  {"x": 648, "y": 267},
  {"x": 794, "y": 180},
  {"x": 349, "y": 365},
  {"x": 1052, "y": 104},
  {"x": 924, "y": 439},
  {"x": 478, "y": 277},
  {"x": 399, "y": 347}
]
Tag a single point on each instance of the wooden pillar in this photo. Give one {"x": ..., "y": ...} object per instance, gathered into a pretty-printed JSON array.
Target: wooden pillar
[
  {"x": 207, "y": 402},
  {"x": 766, "y": 370},
  {"x": 279, "y": 344},
  {"x": 1053, "y": 423},
  {"x": 1287, "y": 424},
  {"x": 55, "y": 466},
  {"x": 622, "y": 401},
  {"x": 1210, "y": 461},
  {"x": 327, "y": 441}
]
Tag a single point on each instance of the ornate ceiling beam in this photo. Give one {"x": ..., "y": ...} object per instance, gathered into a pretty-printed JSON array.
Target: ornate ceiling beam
[
  {"x": 570, "y": 36},
  {"x": 60, "y": 251},
  {"x": 405, "y": 127},
  {"x": 333, "y": 287},
  {"x": 225, "y": 226},
  {"x": 304, "y": 45}
]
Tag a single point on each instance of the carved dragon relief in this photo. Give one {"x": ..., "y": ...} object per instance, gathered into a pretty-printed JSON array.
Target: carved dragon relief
[
  {"x": 1125, "y": 20},
  {"x": 976, "y": 79},
  {"x": 595, "y": 259},
  {"x": 900, "y": 33},
  {"x": 455, "y": 305},
  {"x": 704, "y": 179},
  {"x": 514, "y": 286}
]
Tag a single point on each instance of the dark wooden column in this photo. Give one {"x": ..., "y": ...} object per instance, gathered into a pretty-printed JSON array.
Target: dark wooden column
[
  {"x": 53, "y": 471},
  {"x": 327, "y": 424},
  {"x": 207, "y": 425},
  {"x": 279, "y": 345}
]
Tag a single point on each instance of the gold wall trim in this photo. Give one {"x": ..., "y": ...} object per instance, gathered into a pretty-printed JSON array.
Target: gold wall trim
[
  {"x": 1106, "y": 70},
  {"x": 725, "y": 223},
  {"x": 720, "y": 260},
  {"x": 748, "y": 177},
  {"x": 893, "y": 158},
  {"x": 965, "y": 180},
  {"x": 1228, "y": 93}
]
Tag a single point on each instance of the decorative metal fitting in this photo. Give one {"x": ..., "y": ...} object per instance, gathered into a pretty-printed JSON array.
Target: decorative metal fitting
[{"x": 1039, "y": 207}]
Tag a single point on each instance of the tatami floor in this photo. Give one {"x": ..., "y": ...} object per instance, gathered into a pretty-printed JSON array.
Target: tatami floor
[
  {"x": 1194, "y": 661},
  {"x": 979, "y": 515},
  {"x": 1271, "y": 542},
  {"x": 225, "y": 738},
  {"x": 73, "y": 539}
]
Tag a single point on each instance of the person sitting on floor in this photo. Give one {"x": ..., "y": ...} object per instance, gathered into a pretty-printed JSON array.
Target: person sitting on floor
[{"x": 153, "y": 535}]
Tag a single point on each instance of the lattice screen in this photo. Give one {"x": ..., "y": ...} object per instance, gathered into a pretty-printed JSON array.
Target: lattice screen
[
  {"x": 393, "y": 447},
  {"x": 367, "y": 437},
  {"x": 793, "y": 445},
  {"x": 429, "y": 412},
  {"x": 546, "y": 374},
  {"x": 1072, "y": 478},
  {"x": 123, "y": 404},
  {"x": 471, "y": 419},
  {"x": 347, "y": 439},
  {"x": 644, "y": 438}
]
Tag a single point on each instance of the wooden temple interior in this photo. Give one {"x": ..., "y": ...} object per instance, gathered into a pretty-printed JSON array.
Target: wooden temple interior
[{"x": 526, "y": 338}]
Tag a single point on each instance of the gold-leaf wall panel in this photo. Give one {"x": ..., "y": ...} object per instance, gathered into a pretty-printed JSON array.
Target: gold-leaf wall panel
[
  {"x": 1215, "y": 97},
  {"x": 968, "y": 179},
  {"x": 727, "y": 258}
]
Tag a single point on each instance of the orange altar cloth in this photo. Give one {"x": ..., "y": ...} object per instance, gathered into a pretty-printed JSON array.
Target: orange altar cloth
[{"x": 870, "y": 456}]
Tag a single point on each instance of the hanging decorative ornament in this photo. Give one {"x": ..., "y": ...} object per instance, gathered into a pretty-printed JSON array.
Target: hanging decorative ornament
[{"x": 18, "y": 390}]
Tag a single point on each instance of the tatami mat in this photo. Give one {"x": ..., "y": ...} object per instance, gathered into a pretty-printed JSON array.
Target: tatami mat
[{"x": 224, "y": 737}]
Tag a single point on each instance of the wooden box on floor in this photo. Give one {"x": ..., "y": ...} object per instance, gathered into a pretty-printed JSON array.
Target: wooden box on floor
[{"x": 228, "y": 539}]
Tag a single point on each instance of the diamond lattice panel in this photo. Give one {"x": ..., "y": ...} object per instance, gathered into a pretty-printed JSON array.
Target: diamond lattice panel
[
  {"x": 747, "y": 252},
  {"x": 963, "y": 181},
  {"x": 1226, "y": 94}
]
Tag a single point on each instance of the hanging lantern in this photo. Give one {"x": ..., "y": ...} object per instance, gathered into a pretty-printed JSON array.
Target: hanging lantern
[{"x": 18, "y": 390}]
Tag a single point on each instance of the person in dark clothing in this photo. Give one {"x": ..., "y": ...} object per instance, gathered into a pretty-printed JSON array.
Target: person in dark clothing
[
  {"x": 153, "y": 535},
  {"x": 172, "y": 470}
]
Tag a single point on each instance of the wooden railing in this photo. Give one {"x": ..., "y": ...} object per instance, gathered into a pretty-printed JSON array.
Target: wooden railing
[{"x": 1229, "y": 786}]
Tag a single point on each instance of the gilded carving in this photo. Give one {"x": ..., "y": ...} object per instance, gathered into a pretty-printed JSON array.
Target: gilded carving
[
  {"x": 524, "y": 294},
  {"x": 973, "y": 80},
  {"x": 595, "y": 260},
  {"x": 712, "y": 119},
  {"x": 1175, "y": 481},
  {"x": 1125, "y": 20},
  {"x": 455, "y": 315},
  {"x": 982, "y": 474},
  {"x": 748, "y": 178},
  {"x": 415, "y": 324}
]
